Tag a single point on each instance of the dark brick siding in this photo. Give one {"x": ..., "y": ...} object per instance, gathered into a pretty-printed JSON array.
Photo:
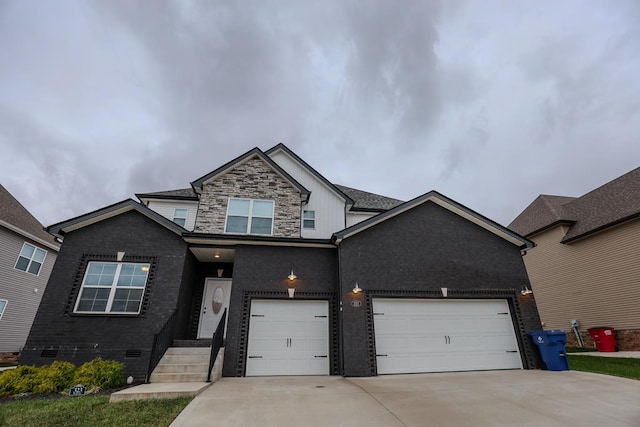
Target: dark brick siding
[
  {"x": 261, "y": 272},
  {"x": 423, "y": 250},
  {"x": 79, "y": 338}
]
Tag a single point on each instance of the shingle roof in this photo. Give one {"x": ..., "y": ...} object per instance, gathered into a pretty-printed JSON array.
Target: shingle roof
[
  {"x": 608, "y": 205},
  {"x": 366, "y": 201},
  {"x": 12, "y": 212},
  {"x": 181, "y": 193}
]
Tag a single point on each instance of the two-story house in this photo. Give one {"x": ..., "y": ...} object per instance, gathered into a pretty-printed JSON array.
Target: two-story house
[
  {"x": 318, "y": 279},
  {"x": 27, "y": 254}
]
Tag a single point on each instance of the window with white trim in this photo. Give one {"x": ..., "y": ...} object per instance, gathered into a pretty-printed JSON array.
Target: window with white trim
[
  {"x": 112, "y": 287},
  {"x": 180, "y": 216},
  {"x": 249, "y": 216},
  {"x": 309, "y": 219},
  {"x": 30, "y": 259},
  {"x": 3, "y": 305}
]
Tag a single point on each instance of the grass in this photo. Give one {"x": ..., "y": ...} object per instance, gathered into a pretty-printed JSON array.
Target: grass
[
  {"x": 91, "y": 411},
  {"x": 616, "y": 366},
  {"x": 580, "y": 349}
]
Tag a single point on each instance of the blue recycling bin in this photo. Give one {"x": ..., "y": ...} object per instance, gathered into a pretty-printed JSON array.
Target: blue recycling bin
[{"x": 551, "y": 345}]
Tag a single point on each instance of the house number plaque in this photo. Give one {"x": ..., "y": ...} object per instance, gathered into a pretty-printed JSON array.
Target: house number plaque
[{"x": 356, "y": 303}]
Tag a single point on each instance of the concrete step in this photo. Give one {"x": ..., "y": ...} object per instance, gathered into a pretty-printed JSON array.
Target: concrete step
[
  {"x": 176, "y": 359},
  {"x": 178, "y": 368},
  {"x": 192, "y": 343},
  {"x": 173, "y": 351},
  {"x": 159, "y": 391},
  {"x": 184, "y": 377}
]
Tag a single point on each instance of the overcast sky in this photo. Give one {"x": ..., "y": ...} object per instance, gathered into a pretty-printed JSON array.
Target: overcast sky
[{"x": 488, "y": 102}]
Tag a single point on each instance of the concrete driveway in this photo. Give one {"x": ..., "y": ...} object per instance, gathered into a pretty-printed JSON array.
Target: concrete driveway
[{"x": 492, "y": 398}]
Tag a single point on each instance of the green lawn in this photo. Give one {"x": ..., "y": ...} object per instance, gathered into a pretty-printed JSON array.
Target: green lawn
[
  {"x": 90, "y": 411},
  {"x": 617, "y": 366}
]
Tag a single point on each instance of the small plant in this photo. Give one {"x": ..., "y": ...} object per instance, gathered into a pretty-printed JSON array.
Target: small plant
[
  {"x": 20, "y": 380},
  {"x": 100, "y": 373},
  {"x": 55, "y": 377}
]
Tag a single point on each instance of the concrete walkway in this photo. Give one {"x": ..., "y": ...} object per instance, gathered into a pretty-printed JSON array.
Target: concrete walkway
[
  {"x": 623, "y": 354},
  {"x": 491, "y": 398}
]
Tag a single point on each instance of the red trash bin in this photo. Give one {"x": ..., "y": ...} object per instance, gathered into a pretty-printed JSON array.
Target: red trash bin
[{"x": 604, "y": 339}]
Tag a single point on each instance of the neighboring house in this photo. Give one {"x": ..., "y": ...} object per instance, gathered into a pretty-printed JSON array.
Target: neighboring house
[
  {"x": 440, "y": 285},
  {"x": 27, "y": 255},
  {"x": 586, "y": 263}
]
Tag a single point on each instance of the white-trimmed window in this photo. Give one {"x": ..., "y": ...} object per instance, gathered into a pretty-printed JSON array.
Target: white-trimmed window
[
  {"x": 112, "y": 287},
  {"x": 309, "y": 219},
  {"x": 180, "y": 216},
  {"x": 249, "y": 216},
  {"x": 3, "y": 305},
  {"x": 30, "y": 259}
]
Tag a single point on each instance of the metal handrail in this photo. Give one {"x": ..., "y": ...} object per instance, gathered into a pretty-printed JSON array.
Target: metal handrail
[
  {"x": 161, "y": 342},
  {"x": 217, "y": 341}
]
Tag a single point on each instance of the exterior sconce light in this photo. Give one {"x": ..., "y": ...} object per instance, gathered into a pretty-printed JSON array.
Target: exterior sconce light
[
  {"x": 357, "y": 289},
  {"x": 292, "y": 276},
  {"x": 525, "y": 290},
  {"x": 216, "y": 255}
]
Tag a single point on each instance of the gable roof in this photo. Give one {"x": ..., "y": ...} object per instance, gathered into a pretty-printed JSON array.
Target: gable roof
[
  {"x": 610, "y": 204},
  {"x": 256, "y": 152},
  {"x": 61, "y": 228},
  {"x": 447, "y": 203},
  {"x": 369, "y": 202},
  {"x": 544, "y": 212},
  {"x": 17, "y": 218},
  {"x": 325, "y": 181},
  {"x": 179, "y": 194}
]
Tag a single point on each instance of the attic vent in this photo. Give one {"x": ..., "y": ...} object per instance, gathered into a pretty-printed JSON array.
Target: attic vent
[
  {"x": 50, "y": 352},
  {"x": 130, "y": 354}
]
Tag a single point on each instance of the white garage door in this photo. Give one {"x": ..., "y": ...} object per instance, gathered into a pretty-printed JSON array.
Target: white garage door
[
  {"x": 415, "y": 335},
  {"x": 288, "y": 338}
]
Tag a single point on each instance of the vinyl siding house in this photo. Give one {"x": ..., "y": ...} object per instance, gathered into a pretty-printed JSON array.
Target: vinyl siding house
[
  {"x": 316, "y": 278},
  {"x": 27, "y": 255},
  {"x": 586, "y": 262}
]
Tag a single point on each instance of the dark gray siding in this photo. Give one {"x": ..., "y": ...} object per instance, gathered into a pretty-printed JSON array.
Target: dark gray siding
[
  {"x": 261, "y": 272},
  {"x": 417, "y": 253},
  {"x": 79, "y": 338}
]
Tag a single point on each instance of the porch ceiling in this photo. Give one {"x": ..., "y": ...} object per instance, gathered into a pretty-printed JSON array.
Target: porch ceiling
[{"x": 209, "y": 254}]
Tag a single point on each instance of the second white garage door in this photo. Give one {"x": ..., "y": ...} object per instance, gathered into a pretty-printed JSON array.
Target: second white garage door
[
  {"x": 288, "y": 338},
  {"x": 415, "y": 335}
]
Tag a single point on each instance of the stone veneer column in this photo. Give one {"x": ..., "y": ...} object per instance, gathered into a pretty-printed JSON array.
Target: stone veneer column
[{"x": 253, "y": 179}]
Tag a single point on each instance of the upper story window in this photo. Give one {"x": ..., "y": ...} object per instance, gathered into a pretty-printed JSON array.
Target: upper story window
[
  {"x": 309, "y": 219},
  {"x": 31, "y": 258},
  {"x": 3, "y": 305},
  {"x": 249, "y": 216},
  {"x": 112, "y": 287},
  {"x": 180, "y": 216}
]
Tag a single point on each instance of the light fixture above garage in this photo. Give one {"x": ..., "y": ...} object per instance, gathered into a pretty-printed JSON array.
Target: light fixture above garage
[
  {"x": 525, "y": 290},
  {"x": 292, "y": 276},
  {"x": 216, "y": 255},
  {"x": 357, "y": 289}
]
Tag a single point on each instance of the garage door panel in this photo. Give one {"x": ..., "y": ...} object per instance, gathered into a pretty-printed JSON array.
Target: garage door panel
[{"x": 436, "y": 336}]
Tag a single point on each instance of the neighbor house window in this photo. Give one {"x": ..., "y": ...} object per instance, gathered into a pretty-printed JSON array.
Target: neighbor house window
[
  {"x": 180, "y": 216},
  {"x": 3, "y": 305},
  {"x": 31, "y": 258},
  {"x": 309, "y": 219},
  {"x": 248, "y": 216},
  {"x": 112, "y": 287}
]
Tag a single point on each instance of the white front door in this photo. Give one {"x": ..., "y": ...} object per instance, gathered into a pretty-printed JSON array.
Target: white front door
[
  {"x": 288, "y": 338},
  {"x": 217, "y": 294},
  {"x": 414, "y": 335}
]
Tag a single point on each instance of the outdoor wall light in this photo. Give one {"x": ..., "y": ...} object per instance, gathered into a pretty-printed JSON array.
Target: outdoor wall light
[
  {"x": 526, "y": 291},
  {"x": 357, "y": 289},
  {"x": 216, "y": 255},
  {"x": 292, "y": 276}
]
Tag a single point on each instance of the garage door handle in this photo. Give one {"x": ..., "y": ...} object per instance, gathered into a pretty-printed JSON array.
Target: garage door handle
[
  {"x": 382, "y": 355},
  {"x": 512, "y": 351},
  {"x": 503, "y": 313},
  {"x": 319, "y": 316},
  {"x": 255, "y": 357},
  {"x": 257, "y": 315},
  {"x": 320, "y": 356}
]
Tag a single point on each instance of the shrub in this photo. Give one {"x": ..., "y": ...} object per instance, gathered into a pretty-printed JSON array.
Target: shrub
[
  {"x": 100, "y": 373},
  {"x": 19, "y": 380},
  {"x": 55, "y": 377}
]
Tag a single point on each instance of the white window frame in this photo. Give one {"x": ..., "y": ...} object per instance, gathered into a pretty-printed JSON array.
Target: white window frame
[
  {"x": 251, "y": 216},
  {"x": 112, "y": 288},
  {"x": 4, "y": 308},
  {"x": 31, "y": 260},
  {"x": 183, "y": 218},
  {"x": 309, "y": 219}
]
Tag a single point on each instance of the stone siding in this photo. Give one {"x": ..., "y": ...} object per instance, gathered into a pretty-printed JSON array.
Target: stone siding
[{"x": 253, "y": 179}]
